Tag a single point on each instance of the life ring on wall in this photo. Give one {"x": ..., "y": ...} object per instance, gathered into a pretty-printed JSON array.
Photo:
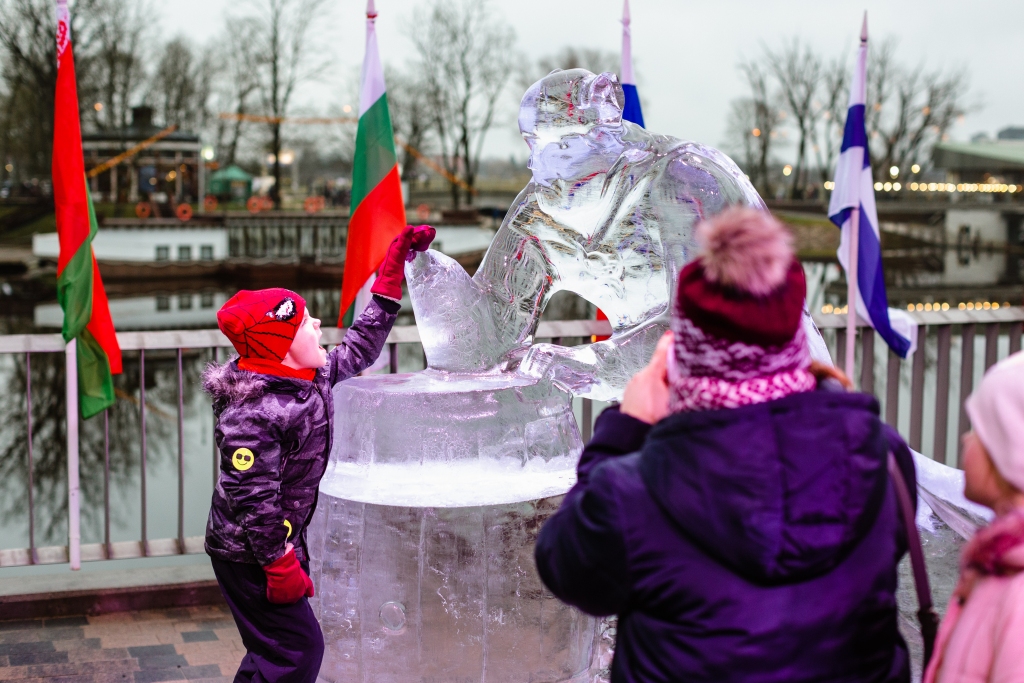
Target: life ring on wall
[
  {"x": 143, "y": 210},
  {"x": 423, "y": 212},
  {"x": 254, "y": 204},
  {"x": 183, "y": 212},
  {"x": 313, "y": 204},
  {"x": 210, "y": 203}
]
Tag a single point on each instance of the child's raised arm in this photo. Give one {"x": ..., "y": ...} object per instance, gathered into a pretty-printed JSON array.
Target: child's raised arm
[{"x": 365, "y": 339}]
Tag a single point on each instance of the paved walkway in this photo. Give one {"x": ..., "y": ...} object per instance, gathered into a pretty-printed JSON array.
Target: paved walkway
[{"x": 190, "y": 643}]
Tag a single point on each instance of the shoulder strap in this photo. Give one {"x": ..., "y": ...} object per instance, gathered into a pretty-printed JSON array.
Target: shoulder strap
[{"x": 926, "y": 614}]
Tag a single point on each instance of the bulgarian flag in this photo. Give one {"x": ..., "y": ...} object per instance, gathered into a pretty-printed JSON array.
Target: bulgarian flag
[
  {"x": 79, "y": 287},
  {"x": 378, "y": 212}
]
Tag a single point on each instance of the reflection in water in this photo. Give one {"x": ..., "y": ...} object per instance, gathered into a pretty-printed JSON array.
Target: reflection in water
[{"x": 49, "y": 446}]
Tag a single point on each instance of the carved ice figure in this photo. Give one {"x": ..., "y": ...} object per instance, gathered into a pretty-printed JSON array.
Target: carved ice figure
[
  {"x": 438, "y": 481},
  {"x": 609, "y": 215}
]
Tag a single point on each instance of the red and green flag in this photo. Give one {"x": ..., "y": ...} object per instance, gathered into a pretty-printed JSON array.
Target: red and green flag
[
  {"x": 378, "y": 212},
  {"x": 79, "y": 287}
]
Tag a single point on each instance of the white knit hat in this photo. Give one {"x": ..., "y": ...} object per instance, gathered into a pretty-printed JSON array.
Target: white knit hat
[{"x": 996, "y": 410}]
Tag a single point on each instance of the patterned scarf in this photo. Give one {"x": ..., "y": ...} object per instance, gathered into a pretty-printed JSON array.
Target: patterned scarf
[{"x": 710, "y": 373}]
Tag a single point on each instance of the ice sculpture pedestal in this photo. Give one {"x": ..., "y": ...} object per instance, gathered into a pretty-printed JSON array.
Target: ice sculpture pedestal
[{"x": 422, "y": 541}]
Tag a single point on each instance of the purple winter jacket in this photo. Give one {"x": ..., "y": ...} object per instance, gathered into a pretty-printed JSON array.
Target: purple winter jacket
[
  {"x": 274, "y": 435},
  {"x": 752, "y": 544}
]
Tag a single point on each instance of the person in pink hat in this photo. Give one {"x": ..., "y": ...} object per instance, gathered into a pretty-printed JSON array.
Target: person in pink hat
[{"x": 981, "y": 638}]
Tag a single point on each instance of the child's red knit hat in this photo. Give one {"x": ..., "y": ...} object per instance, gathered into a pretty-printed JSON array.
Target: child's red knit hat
[{"x": 262, "y": 324}]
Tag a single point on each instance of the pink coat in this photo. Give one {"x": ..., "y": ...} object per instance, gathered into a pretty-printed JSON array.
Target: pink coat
[{"x": 983, "y": 640}]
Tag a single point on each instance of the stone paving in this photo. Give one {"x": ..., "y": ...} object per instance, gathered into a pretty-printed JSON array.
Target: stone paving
[{"x": 192, "y": 643}]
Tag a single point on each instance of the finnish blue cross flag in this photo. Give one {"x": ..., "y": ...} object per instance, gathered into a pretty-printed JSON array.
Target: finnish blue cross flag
[
  {"x": 631, "y": 111},
  {"x": 854, "y": 186}
]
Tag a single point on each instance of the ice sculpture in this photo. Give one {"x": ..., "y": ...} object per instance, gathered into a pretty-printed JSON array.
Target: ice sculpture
[
  {"x": 439, "y": 481},
  {"x": 609, "y": 216}
]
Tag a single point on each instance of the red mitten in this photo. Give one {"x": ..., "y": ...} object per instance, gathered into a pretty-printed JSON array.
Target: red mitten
[
  {"x": 422, "y": 236},
  {"x": 389, "y": 279},
  {"x": 286, "y": 582}
]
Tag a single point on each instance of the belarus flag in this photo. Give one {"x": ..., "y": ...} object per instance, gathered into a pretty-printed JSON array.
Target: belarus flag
[
  {"x": 79, "y": 287},
  {"x": 378, "y": 212}
]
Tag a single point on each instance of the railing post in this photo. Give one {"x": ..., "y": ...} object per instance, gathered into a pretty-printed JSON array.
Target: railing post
[
  {"x": 945, "y": 333},
  {"x": 867, "y": 360},
  {"x": 71, "y": 388},
  {"x": 917, "y": 389},
  {"x": 181, "y": 456},
  {"x": 991, "y": 344},
  {"x": 142, "y": 446},
  {"x": 1015, "y": 332},
  {"x": 216, "y": 451},
  {"x": 966, "y": 383},
  {"x": 892, "y": 391},
  {"x": 588, "y": 420},
  {"x": 841, "y": 348},
  {"x": 393, "y": 358},
  {"x": 106, "y": 484},
  {"x": 32, "y": 558}
]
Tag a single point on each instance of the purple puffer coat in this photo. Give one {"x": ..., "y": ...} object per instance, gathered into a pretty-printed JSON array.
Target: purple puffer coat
[
  {"x": 753, "y": 544},
  {"x": 274, "y": 435}
]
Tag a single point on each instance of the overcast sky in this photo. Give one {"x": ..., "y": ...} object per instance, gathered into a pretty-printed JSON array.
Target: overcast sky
[{"x": 686, "y": 52}]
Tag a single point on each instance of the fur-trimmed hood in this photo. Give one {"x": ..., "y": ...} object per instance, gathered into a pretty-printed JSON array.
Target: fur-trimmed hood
[{"x": 225, "y": 383}]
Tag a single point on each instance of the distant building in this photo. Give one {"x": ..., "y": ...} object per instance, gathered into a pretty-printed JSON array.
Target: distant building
[
  {"x": 169, "y": 170},
  {"x": 149, "y": 243},
  {"x": 984, "y": 160}
]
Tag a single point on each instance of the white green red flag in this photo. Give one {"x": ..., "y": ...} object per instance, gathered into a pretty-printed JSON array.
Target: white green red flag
[
  {"x": 79, "y": 287},
  {"x": 378, "y": 212}
]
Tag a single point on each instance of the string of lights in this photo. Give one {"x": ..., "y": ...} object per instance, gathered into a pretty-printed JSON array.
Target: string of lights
[
  {"x": 945, "y": 306},
  {"x": 966, "y": 188}
]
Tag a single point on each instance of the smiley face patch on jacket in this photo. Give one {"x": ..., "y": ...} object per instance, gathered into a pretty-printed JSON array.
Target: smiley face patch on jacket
[{"x": 242, "y": 459}]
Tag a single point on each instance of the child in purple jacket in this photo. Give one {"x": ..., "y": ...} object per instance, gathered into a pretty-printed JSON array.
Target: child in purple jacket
[{"x": 273, "y": 412}]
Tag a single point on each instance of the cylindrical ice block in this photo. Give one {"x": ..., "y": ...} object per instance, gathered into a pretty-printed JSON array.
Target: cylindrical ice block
[{"x": 422, "y": 542}]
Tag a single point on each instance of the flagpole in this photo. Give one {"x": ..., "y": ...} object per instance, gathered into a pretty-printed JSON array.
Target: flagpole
[
  {"x": 851, "y": 291},
  {"x": 854, "y": 236},
  {"x": 71, "y": 389}
]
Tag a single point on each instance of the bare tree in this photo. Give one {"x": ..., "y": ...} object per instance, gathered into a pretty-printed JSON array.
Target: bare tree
[
  {"x": 798, "y": 71},
  {"x": 593, "y": 60},
  {"x": 740, "y": 127},
  {"x": 284, "y": 46},
  {"x": 236, "y": 84},
  {"x": 924, "y": 107},
  {"x": 181, "y": 85},
  {"x": 28, "y": 70},
  {"x": 767, "y": 117},
  {"x": 120, "y": 69},
  {"x": 828, "y": 136},
  {"x": 881, "y": 79},
  {"x": 409, "y": 105},
  {"x": 465, "y": 58}
]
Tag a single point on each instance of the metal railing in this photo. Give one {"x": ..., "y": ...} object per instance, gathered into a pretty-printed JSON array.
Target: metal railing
[
  {"x": 179, "y": 342},
  {"x": 917, "y": 391},
  {"x": 930, "y": 367}
]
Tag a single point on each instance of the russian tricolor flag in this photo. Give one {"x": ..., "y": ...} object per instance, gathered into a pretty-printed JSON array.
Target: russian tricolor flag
[{"x": 854, "y": 187}]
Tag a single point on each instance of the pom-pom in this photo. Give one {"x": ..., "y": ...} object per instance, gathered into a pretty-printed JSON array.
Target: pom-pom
[{"x": 746, "y": 249}]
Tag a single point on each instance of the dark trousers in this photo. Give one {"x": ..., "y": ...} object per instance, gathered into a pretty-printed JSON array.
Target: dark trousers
[{"x": 284, "y": 643}]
